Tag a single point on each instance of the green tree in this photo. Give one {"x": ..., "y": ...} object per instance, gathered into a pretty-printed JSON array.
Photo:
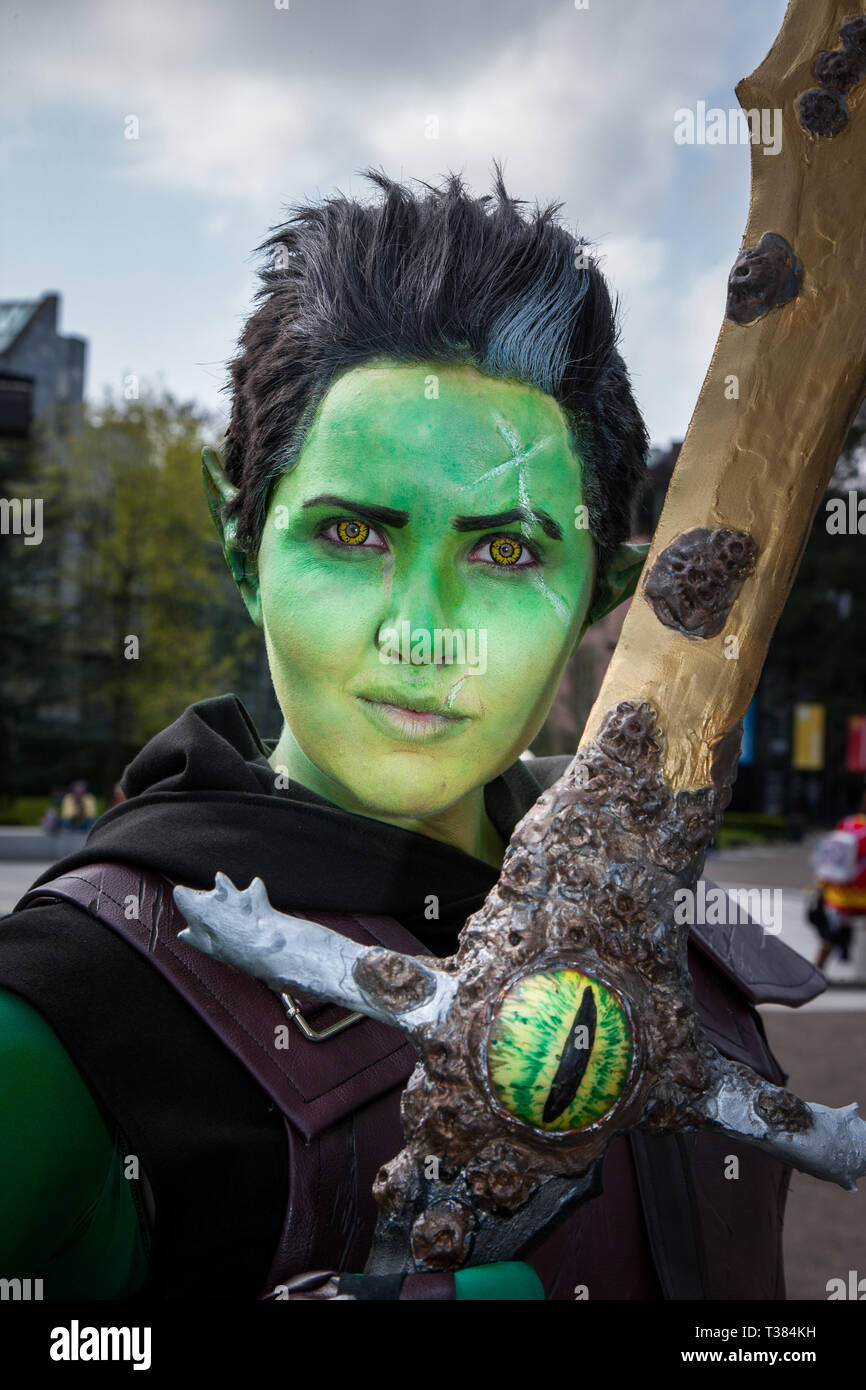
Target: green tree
[{"x": 132, "y": 613}]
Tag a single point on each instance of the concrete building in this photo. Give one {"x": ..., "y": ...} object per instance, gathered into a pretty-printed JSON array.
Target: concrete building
[{"x": 39, "y": 368}]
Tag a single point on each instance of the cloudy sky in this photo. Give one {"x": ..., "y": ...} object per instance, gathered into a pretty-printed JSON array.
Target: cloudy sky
[{"x": 243, "y": 107}]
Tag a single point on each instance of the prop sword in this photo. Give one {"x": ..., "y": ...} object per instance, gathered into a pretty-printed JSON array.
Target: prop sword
[{"x": 567, "y": 1015}]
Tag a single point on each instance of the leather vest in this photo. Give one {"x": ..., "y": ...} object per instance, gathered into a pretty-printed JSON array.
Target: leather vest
[{"x": 677, "y": 1219}]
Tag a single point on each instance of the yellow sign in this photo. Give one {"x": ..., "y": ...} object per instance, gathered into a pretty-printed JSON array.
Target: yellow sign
[{"x": 808, "y": 752}]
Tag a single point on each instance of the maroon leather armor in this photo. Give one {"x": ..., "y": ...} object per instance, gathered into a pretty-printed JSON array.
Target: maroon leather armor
[{"x": 670, "y": 1223}]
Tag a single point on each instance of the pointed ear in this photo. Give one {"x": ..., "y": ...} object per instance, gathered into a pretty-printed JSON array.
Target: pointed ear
[
  {"x": 620, "y": 581},
  {"x": 219, "y": 492}
]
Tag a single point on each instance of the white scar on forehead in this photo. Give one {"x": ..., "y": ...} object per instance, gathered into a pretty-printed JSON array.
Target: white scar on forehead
[{"x": 519, "y": 457}]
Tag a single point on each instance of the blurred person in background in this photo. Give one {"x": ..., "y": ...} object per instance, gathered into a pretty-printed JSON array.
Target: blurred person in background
[
  {"x": 840, "y": 872},
  {"x": 78, "y": 811},
  {"x": 51, "y": 820}
]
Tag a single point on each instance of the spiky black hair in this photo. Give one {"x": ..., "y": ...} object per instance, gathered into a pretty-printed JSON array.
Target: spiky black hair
[{"x": 435, "y": 275}]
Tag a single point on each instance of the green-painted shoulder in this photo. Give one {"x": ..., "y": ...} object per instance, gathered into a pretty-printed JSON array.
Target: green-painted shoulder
[{"x": 67, "y": 1212}]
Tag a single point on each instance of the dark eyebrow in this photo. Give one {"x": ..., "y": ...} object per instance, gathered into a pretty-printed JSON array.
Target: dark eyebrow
[
  {"x": 493, "y": 519},
  {"x": 389, "y": 516}
]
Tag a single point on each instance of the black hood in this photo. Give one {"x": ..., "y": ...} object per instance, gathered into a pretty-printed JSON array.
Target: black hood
[{"x": 201, "y": 798}]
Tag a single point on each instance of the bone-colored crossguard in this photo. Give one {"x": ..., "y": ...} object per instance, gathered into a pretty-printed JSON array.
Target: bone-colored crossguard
[
  {"x": 285, "y": 952},
  {"x": 567, "y": 1015}
]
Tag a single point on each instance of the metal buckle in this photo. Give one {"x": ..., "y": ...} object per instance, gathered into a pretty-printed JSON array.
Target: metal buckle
[{"x": 309, "y": 1033}]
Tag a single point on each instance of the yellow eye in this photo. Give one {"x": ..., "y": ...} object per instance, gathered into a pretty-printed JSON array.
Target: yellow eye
[
  {"x": 353, "y": 532},
  {"x": 560, "y": 1051},
  {"x": 505, "y": 550}
]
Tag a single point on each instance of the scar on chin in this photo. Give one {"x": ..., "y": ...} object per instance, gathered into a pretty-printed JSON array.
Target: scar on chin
[{"x": 452, "y": 694}]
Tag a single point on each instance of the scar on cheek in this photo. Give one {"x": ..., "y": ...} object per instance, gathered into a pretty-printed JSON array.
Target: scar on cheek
[
  {"x": 387, "y": 573},
  {"x": 556, "y": 601}
]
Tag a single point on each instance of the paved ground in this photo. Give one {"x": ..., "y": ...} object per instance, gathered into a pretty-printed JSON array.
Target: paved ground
[
  {"x": 822, "y": 1046},
  {"x": 825, "y": 1227},
  {"x": 20, "y": 843},
  {"x": 782, "y": 865},
  {"x": 15, "y": 879}
]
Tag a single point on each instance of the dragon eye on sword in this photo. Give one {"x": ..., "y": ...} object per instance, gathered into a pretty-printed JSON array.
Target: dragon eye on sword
[{"x": 567, "y": 1015}]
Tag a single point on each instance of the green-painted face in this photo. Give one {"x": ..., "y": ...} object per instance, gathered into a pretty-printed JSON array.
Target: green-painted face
[
  {"x": 423, "y": 583},
  {"x": 424, "y": 574}
]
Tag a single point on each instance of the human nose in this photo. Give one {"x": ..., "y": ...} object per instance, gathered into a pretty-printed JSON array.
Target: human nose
[{"x": 417, "y": 610}]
